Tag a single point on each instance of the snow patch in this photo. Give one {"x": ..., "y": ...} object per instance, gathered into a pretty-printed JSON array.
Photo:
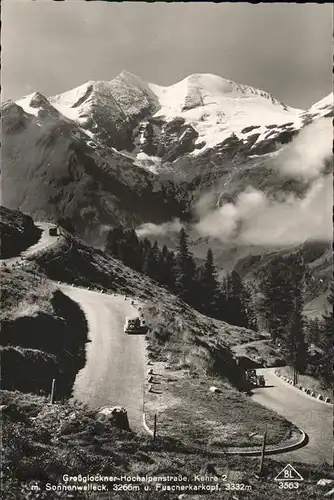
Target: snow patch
[
  {"x": 151, "y": 163},
  {"x": 25, "y": 104},
  {"x": 218, "y": 108}
]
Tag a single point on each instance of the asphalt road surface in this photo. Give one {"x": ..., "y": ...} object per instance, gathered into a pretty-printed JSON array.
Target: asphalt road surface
[
  {"x": 44, "y": 241},
  {"x": 114, "y": 373},
  {"x": 315, "y": 418}
]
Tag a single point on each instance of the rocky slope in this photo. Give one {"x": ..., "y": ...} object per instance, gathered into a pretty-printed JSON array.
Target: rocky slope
[{"x": 45, "y": 152}]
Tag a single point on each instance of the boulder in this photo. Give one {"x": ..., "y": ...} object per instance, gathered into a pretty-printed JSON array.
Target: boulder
[
  {"x": 325, "y": 482},
  {"x": 117, "y": 415},
  {"x": 215, "y": 389}
]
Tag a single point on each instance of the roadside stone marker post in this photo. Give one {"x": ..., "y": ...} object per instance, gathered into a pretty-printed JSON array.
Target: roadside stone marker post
[
  {"x": 262, "y": 453},
  {"x": 155, "y": 427},
  {"x": 52, "y": 391}
]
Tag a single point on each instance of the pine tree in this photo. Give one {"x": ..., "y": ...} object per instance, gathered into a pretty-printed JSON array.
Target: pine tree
[
  {"x": 128, "y": 249},
  {"x": 277, "y": 303},
  {"x": 222, "y": 305},
  {"x": 250, "y": 309},
  {"x": 294, "y": 346},
  {"x": 314, "y": 328},
  {"x": 185, "y": 270},
  {"x": 134, "y": 250},
  {"x": 208, "y": 286},
  {"x": 284, "y": 288},
  {"x": 237, "y": 305},
  {"x": 156, "y": 257},
  {"x": 170, "y": 271},
  {"x": 113, "y": 242},
  {"x": 328, "y": 321},
  {"x": 167, "y": 268},
  {"x": 149, "y": 264},
  {"x": 163, "y": 255}
]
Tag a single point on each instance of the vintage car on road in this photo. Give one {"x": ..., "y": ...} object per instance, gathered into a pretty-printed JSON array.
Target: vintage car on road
[
  {"x": 254, "y": 379},
  {"x": 135, "y": 325},
  {"x": 54, "y": 231}
]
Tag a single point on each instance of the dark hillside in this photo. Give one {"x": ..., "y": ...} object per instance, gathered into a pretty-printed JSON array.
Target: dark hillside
[
  {"x": 76, "y": 178},
  {"x": 43, "y": 335},
  {"x": 17, "y": 232}
]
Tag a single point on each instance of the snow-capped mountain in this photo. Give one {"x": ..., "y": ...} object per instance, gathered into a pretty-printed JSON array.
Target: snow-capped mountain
[
  {"x": 216, "y": 107},
  {"x": 109, "y": 111},
  {"x": 140, "y": 141},
  {"x": 158, "y": 125}
]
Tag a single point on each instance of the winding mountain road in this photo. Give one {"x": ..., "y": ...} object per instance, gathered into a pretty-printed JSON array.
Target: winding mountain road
[
  {"x": 314, "y": 417},
  {"x": 44, "y": 242},
  {"x": 114, "y": 373}
]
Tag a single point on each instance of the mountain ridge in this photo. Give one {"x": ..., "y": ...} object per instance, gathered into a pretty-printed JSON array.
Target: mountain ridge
[{"x": 121, "y": 112}]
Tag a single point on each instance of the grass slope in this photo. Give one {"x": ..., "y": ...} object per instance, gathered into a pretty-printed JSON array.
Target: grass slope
[{"x": 41, "y": 443}]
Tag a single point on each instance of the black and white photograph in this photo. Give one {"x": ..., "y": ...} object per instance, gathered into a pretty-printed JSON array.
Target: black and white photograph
[{"x": 166, "y": 250}]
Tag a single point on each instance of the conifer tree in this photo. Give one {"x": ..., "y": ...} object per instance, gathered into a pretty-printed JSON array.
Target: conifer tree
[
  {"x": 328, "y": 321},
  {"x": 114, "y": 239},
  {"x": 236, "y": 304},
  {"x": 170, "y": 271},
  {"x": 156, "y": 257},
  {"x": 185, "y": 270},
  {"x": 167, "y": 268},
  {"x": 128, "y": 248},
  {"x": 277, "y": 304},
  {"x": 208, "y": 286},
  {"x": 294, "y": 346},
  {"x": 283, "y": 307}
]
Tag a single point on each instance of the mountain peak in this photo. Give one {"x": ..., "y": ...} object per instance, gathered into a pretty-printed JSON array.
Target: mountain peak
[{"x": 36, "y": 103}]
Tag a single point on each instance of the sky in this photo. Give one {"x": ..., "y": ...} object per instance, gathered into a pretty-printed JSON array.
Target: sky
[{"x": 282, "y": 48}]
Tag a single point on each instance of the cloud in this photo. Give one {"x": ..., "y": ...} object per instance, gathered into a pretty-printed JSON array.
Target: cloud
[
  {"x": 150, "y": 229},
  {"x": 256, "y": 219},
  {"x": 303, "y": 158}
]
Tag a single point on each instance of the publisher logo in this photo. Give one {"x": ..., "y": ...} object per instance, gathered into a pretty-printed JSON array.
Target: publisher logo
[{"x": 289, "y": 473}]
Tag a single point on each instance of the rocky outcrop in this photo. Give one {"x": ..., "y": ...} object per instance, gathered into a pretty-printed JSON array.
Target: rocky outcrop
[
  {"x": 17, "y": 232},
  {"x": 36, "y": 349},
  {"x": 167, "y": 140},
  {"x": 13, "y": 118},
  {"x": 116, "y": 415}
]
